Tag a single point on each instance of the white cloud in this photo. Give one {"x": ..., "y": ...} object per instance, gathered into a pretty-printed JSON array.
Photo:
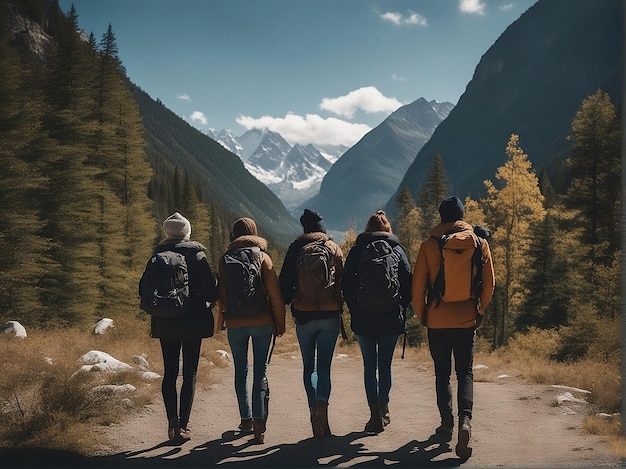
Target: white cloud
[
  {"x": 472, "y": 7},
  {"x": 415, "y": 18},
  {"x": 184, "y": 97},
  {"x": 368, "y": 99},
  {"x": 311, "y": 128},
  {"x": 506, "y": 7},
  {"x": 199, "y": 116},
  {"x": 399, "y": 19},
  {"x": 395, "y": 77},
  {"x": 395, "y": 18}
]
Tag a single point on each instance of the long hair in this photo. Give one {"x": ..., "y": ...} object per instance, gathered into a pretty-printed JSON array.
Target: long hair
[{"x": 378, "y": 222}]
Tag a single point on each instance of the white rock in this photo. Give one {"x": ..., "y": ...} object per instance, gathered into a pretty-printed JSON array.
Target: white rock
[
  {"x": 150, "y": 375},
  {"x": 102, "y": 325},
  {"x": 568, "y": 397},
  {"x": 101, "y": 361},
  {"x": 223, "y": 353},
  {"x": 14, "y": 328},
  {"x": 110, "y": 390},
  {"x": 141, "y": 362}
]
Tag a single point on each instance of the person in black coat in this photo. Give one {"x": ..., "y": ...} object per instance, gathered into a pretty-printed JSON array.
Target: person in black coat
[
  {"x": 184, "y": 333},
  {"x": 377, "y": 331}
]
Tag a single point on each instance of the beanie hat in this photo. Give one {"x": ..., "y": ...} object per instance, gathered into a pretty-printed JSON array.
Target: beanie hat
[
  {"x": 311, "y": 221},
  {"x": 244, "y": 226},
  {"x": 177, "y": 227},
  {"x": 451, "y": 209}
]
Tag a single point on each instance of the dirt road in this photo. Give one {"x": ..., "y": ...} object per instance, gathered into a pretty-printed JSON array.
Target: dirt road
[{"x": 515, "y": 425}]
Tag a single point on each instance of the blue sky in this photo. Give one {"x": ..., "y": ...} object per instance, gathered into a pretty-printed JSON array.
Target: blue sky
[{"x": 316, "y": 71}]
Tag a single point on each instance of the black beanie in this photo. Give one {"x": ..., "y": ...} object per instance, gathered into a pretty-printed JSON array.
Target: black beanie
[
  {"x": 311, "y": 221},
  {"x": 451, "y": 209}
]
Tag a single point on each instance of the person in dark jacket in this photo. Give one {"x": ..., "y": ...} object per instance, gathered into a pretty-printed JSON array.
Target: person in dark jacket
[
  {"x": 257, "y": 329},
  {"x": 318, "y": 320},
  {"x": 184, "y": 333},
  {"x": 377, "y": 332}
]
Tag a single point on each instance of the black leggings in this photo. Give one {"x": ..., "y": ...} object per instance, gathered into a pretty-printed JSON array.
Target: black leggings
[{"x": 171, "y": 356}]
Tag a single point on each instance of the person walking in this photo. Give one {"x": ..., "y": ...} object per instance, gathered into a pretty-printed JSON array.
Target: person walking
[
  {"x": 452, "y": 324},
  {"x": 183, "y": 333},
  {"x": 376, "y": 285},
  {"x": 250, "y": 316},
  {"x": 310, "y": 281}
]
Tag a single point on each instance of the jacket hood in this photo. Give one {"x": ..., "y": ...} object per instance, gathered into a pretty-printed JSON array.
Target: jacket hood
[
  {"x": 369, "y": 236},
  {"x": 246, "y": 241},
  {"x": 452, "y": 226},
  {"x": 178, "y": 244},
  {"x": 313, "y": 236}
]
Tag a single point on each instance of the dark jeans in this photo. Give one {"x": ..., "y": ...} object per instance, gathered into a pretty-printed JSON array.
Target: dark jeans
[
  {"x": 377, "y": 352},
  {"x": 171, "y": 359},
  {"x": 444, "y": 343}
]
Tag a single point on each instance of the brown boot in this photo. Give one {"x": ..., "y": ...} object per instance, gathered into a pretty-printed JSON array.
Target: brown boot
[
  {"x": 321, "y": 412},
  {"x": 384, "y": 410},
  {"x": 463, "y": 451},
  {"x": 258, "y": 425},
  {"x": 315, "y": 424},
  {"x": 375, "y": 423}
]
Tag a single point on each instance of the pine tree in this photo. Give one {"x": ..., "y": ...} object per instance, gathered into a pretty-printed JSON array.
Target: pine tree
[
  {"x": 71, "y": 205},
  {"x": 408, "y": 223},
  {"x": 596, "y": 171},
  {"x": 435, "y": 190},
  {"x": 22, "y": 250},
  {"x": 513, "y": 213}
]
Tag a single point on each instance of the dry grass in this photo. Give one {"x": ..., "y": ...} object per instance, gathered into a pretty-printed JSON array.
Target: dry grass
[{"x": 44, "y": 401}]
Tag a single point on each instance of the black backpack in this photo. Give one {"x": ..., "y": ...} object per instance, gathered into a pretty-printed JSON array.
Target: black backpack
[
  {"x": 378, "y": 287},
  {"x": 164, "y": 285},
  {"x": 316, "y": 272},
  {"x": 245, "y": 296}
]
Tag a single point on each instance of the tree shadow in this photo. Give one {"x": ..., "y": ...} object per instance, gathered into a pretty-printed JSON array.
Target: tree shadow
[{"x": 237, "y": 449}]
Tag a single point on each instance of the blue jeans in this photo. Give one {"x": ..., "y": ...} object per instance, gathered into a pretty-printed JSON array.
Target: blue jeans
[
  {"x": 317, "y": 339},
  {"x": 238, "y": 339},
  {"x": 444, "y": 343},
  {"x": 377, "y": 351}
]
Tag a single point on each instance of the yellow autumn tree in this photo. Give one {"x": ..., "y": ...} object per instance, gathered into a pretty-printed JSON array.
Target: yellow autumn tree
[{"x": 513, "y": 209}]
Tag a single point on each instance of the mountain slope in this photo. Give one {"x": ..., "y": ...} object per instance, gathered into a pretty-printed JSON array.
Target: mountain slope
[
  {"x": 362, "y": 180},
  {"x": 293, "y": 173},
  {"x": 530, "y": 82},
  {"x": 228, "y": 184}
]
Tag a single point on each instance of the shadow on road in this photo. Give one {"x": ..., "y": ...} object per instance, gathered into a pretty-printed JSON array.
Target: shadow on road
[{"x": 235, "y": 449}]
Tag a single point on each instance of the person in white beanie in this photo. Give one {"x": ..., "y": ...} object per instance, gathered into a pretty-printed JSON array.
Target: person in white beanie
[{"x": 184, "y": 333}]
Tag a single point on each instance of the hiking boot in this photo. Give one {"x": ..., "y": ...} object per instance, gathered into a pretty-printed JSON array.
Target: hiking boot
[
  {"x": 184, "y": 434},
  {"x": 173, "y": 431},
  {"x": 321, "y": 413},
  {"x": 444, "y": 429},
  {"x": 384, "y": 410},
  {"x": 258, "y": 426},
  {"x": 315, "y": 424},
  {"x": 375, "y": 423},
  {"x": 245, "y": 426},
  {"x": 462, "y": 450}
]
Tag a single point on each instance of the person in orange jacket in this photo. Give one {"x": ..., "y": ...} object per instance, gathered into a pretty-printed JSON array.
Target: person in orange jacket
[
  {"x": 259, "y": 328},
  {"x": 451, "y": 325}
]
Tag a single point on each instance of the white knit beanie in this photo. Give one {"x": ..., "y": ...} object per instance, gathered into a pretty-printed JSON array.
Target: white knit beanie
[{"x": 177, "y": 227}]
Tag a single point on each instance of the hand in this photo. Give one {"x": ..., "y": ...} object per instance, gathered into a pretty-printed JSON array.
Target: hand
[{"x": 479, "y": 320}]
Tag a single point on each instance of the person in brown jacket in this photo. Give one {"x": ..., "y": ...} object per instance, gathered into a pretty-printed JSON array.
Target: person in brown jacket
[
  {"x": 259, "y": 325},
  {"x": 451, "y": 325},
  {"x": 317, "y": 316}
]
